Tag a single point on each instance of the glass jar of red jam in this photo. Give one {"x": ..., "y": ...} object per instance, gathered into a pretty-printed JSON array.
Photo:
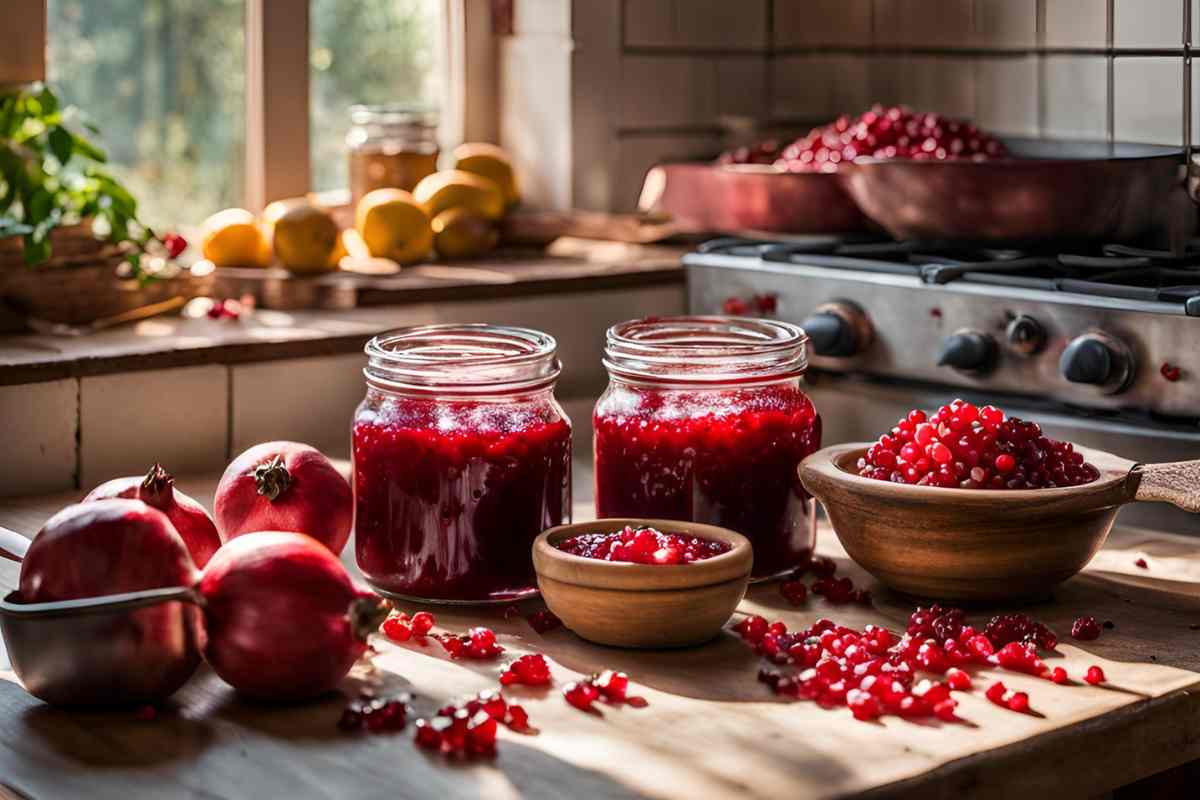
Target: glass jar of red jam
[
  {"x": 704, "y": 420},
  {"x": 462, "y": 456}
]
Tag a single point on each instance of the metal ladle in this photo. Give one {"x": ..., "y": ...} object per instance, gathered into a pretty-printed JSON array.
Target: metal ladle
[{"x": 117, "y": 650}]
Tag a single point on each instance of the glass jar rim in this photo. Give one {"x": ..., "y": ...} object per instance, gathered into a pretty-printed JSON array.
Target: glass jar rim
[
  {"x": 705, "y": 349},
  {"x": 474, "y": 358},
  {"x": 394, "y": 114}
]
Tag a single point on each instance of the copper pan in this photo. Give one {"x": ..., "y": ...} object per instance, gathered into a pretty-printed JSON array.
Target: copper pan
[
  {"x": 749, "y": 198},
  {"x": 1048, "y": 189}
]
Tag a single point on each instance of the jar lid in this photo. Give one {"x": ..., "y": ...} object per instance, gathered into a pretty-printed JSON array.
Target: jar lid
[
  {"x": 705, "y": 349},
  {"x": 465, "y": 359},
  {"x": 394, "y": 114}
]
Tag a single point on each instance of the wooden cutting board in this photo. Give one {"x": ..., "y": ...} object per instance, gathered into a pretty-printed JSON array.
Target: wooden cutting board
[{"x": 710, "y": 729}]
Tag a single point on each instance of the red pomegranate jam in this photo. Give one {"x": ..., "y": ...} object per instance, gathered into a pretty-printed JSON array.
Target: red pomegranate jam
[
  {"x": 962, "y": 446},
  {"x": 643, "y": 546},
  {"x": 451, "y": 493},
  {"x": 717, "y": 450}
]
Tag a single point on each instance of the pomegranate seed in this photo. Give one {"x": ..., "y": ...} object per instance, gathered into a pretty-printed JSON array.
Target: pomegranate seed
[
  {"x": 543, "y": 621},
  {"x": 996, "y": 693},
  {"x": 612, "y": 685},
  {"x": 1085, "y": 629},
  {"x": 1141, "y": 562},
  {"x": 1169, "y": 371},
  {"x": 1019, "y": 702},
  {"x": 945, "y": 711},
  {"x": 958, "y": 680},
  {"x": 1095, "y": 675},
  {"x": 517, "y": 719},
  {"x": 752, "y": 628},
  {"x": 795, "y": 592},
  {"x": 422, "y": 623},
  {"x": 581, "y": 694},
  {"x": 529, "y": 670},
  {"x": 428, "y": 736},
  {"x": 1059, "y": 675},
  {"x": 395, "y": 629}
]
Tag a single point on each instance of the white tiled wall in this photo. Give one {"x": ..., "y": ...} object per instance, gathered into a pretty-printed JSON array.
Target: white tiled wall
[{"x": 672, "y": 72}]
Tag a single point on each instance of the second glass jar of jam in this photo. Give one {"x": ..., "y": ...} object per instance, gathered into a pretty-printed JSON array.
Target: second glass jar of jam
[
  {"x": 462, "y": 456},
  {"x": 704, "y": 420},
  {"x": 390, "y": 147}
]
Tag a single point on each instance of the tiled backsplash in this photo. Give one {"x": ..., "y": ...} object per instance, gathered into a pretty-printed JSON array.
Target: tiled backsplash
[{"x": 668, "y": 75}]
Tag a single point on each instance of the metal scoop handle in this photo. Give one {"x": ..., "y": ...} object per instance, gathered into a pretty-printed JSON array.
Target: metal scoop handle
[{"x": 13, "y": 545}]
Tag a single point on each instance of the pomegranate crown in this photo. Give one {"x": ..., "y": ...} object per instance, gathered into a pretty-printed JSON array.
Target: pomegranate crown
[
  {"x": 157, "y": 486},
  {"x": 272, "y": 478}
]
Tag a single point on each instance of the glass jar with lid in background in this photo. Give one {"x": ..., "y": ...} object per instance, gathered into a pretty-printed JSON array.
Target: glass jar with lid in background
[
  {"x": 462, "y": 456},
  {"x": 390, "y": 146},
  {"x": 704, "y": 420}
]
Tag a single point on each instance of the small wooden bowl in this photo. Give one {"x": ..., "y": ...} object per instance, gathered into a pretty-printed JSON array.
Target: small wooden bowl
[
  {"x": 981, "y": 546},
  {"x": 642, "y": 605}
]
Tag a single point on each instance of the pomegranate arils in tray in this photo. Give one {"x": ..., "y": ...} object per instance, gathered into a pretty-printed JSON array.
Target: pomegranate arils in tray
[
  {"x": 895, "y": 132},
  {"x": 963, "y": 446}
]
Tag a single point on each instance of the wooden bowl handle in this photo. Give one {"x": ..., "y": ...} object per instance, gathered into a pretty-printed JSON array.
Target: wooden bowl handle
[{"x": 1177, "y": 483}]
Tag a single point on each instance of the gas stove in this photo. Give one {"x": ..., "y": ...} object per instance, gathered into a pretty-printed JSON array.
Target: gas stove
[{"x": 1099, "y": 343}]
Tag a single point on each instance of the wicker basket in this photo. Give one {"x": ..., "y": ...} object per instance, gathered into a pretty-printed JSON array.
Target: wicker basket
[{"x": 79, "y": 284}]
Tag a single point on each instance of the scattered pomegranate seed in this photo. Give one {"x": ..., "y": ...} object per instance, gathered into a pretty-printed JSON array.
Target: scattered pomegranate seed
[
  {"x": 528, "y": 670},
  {"x": 612, "y": 685},
  {"x": 996, "y": 693},
  {"x": 469, "y": 728},
  {"x": 1006, "y": 628},
  {"x": 375, "y": 715},
  {"x": 478, "y": 643},
  {"x": 1141, "y": 562},
  {"x": 1085, "y": 629},
  {"x": 1059, "y": 675},
  {"x": 543, "y": 621},
  {"x": 958, "y": 680},
  {"x": 1169, "y": 371},
  {"x": 963, "y": 446},
  {"x": 643, "y": 546},
  {"x": 795, "y": 592},
  {"x": 735, "y": 307},
  {"x": 1095, "y": 675},
  {"x": 767, "y": 303},
  {"x": 396, "y": 628},
  {"x": 1019, "y": 702},
  {"x": 945, "y": 711},
  {"x": 517, "y": 719},
  {"x": 175, "y": 244},
  {"x": 581, "y": 694},
  {"x": 422, "y": 623}
]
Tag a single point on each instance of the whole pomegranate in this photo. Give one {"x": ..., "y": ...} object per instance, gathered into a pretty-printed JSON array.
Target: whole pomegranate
[
  {"x": 104, "y": 547},
  {"x": 157, "y": 490},
  {"x": 285, "y": 486},
  {"x": 284, "y": 620}
]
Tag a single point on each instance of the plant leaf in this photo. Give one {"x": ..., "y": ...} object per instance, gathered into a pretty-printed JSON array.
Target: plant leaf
[{"x": 62, "y": 143}]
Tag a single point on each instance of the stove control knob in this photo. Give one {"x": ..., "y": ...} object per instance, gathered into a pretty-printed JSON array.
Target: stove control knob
[
  {"x": 1026, "y": 335},
  {"x": 1098, "y": 359},
  {"x": 968, "y": 351},
  {"x": 838, "y": 329}
]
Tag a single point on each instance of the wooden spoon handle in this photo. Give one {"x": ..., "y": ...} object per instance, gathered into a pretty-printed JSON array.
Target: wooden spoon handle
[{"x": 1177, "y": 483}]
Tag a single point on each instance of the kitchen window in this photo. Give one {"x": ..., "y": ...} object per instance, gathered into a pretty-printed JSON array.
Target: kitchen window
[{"x": 204, "y": 104}]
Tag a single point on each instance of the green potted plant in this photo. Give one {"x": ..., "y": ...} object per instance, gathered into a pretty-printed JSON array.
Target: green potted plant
[{"x": 72, "y": 248}]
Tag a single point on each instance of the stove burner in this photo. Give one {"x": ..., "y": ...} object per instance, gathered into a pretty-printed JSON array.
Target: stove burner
[{"x": 1112, "y": 270}]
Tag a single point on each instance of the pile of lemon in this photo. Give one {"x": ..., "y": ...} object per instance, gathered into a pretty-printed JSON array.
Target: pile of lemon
[{"x": 453, "y": 214}]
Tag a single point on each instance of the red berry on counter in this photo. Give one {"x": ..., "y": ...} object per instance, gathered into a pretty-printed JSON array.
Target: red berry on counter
[
  {"x": 1085, "y": 629},
  {"x": 581, "y": 694},
  {"x": 1095, "y": 675},
  {"x": 422, "y": 623},
  {"x": 544, "y": 621}
]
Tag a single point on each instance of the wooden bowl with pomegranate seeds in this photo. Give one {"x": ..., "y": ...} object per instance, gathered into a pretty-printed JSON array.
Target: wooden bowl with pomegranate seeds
[
  {"x": 983, "y": 545},
  {"x": 638, "y": 604}
]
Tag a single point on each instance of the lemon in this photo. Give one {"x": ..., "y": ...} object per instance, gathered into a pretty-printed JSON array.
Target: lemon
[
  {"x": 453, "y": 188},
  {"x": 458, "y": 233},
  {"x": 304, "y": 238},
  {"x": 393, "y": 225},
  {"x": 233, "y": 238},
  {"x": 491, "y": 162}
]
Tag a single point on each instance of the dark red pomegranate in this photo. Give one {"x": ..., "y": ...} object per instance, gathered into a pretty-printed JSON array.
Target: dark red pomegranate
[
  {"x": 157, "y": 490},
  {"x": 284, "y": 620},
  {"x": 104, "y": 547},
  {"x": 285, "y": 486}
]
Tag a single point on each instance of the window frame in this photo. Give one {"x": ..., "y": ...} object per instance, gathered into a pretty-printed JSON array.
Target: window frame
[{"x": 278, "y": 143}]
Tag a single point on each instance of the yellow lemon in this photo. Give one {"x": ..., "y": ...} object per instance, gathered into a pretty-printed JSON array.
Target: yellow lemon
[
  {"x": 304, "y": 238},
  {"x": 458, "y": 233},
  {"x": 491, "y": 162},
  {"x": 453, "y": 188},
  {"x": 232, "y": 238},
  {"x": 393, "y": 225}
]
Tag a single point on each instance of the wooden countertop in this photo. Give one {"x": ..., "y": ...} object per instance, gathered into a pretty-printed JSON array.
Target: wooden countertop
[
  {"x": 363, "y": 306},
  {"x": 710, "y": 729}
]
